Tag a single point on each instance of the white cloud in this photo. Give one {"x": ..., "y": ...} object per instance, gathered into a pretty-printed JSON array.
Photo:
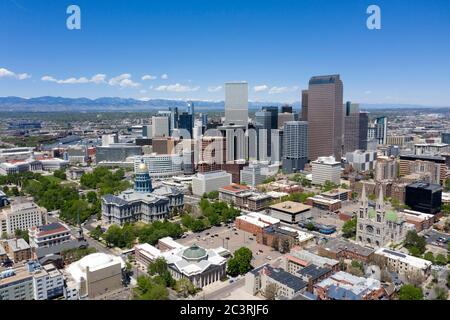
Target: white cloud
[
  {"x": 176, "y": 88},
  {"x": 145, "y": 99},
  {"x": 276, "y": 90},
  {"x": 214, "y": 89},
  {"x": 97, "y": 79},
  {"x": 165, "y": 76},
  {"x": 148, "y": 77},
  {"x": 5, "y": 73},
  {"x": 368, "y": 92},
  {"x": 260, "y": 88},
  {"x": 124, "y": 81}
]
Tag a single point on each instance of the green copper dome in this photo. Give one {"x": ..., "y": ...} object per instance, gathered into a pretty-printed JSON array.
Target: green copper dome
[
  {"x": 391, "y": 216},
  {"x": 194, "y": 252}
]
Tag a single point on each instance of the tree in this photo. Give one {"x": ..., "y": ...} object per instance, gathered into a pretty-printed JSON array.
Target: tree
[
  {"x": 429, "y": 256},
  {"x": 60, "y": 174},
  {"x": 22, "y": 234},
  {"x": 415, "y": 243},
  {"x": 241, "y": 262},
  {"x": 185, "y": 287},
  {"x": 149, "y": 289},
  {"x": 271, "y": 291},
  {"x": 96, "y": 233},
  {"x": 310, "y": 226},
  {"x": 410, "y": 292},
  {"x": 349, "y": 228},
  {"x": 441, "y": 260},
  {"x": 159, "y": 268},
  {"x": 441, "y": 293}
]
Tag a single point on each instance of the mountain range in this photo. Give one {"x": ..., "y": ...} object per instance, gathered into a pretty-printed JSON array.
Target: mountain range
[{"x": 53, "y": 104}]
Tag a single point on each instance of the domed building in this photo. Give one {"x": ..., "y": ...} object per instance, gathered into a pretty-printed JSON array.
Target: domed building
[
  {"x": 201, "y": 266},
  {"x": 143, "y": 203},
  {"x": 94, "y": 275}
]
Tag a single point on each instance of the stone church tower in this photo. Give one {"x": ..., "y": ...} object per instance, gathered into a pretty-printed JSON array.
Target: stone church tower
[{"x": 371, "y": 223}]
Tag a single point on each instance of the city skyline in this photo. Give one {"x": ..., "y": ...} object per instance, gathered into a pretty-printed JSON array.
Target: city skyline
[{"x": 173, "y": 50}]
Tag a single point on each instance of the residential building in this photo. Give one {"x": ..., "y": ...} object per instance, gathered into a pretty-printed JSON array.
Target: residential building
[
  {"x": 403, "y": 263},
  {"x": 434, "y": 165},
  {"x": 386, "y": 168},
  {"x": 326, "y": 169},
  {"x": 299, "y": 258},
  {"x": 344, "y": 286},
  {"x": 325, "y": 116},
  {"x": 210, "y": 181},
  {"x": 313, "y": 274},
  {"x": 290, "y": 211},
  {"x": 295, "y": 146},
  {"x": 17, "y": 249},
  {"x": 236, "y": 103},
  {"x": 21, "y": 216},
  {"x": 341, "y": 249},
  {"x": 288, "y": 285},
  {"x": 424, "y": 197}
]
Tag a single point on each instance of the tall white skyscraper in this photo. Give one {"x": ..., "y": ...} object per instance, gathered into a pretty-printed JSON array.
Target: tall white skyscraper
[
  {"x": 160, "y": 127},
  {"x": 236, "y": 103}
]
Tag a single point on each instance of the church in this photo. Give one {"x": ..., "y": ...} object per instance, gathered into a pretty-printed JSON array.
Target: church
[
  {"x": 377, "y": 226},
  {"x": 143, "y": 203}
]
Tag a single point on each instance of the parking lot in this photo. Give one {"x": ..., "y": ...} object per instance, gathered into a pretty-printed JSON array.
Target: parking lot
[
  {"x": 232, "y": 240},
  {"x": 438, "y": 239}
]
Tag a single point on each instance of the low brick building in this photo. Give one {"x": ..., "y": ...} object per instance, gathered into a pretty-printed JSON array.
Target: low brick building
[{"x": 341, "y": 249}]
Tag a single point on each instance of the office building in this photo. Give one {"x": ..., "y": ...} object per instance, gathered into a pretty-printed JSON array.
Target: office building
[
  {"x": 386, "y": 168},
  {"x": 161, "y": 166},
  {"x": 304, "y": 111},
  {"x": 273, "y": 116},
  {"x": 254, "y": 174},
  {"x": 325, "y": 116},
  {"x": 286, "y": 109},
  {"x": 351, "y": 127},
  {"x": 362, "y": 161},
  {"x": 108, "y": 139},
  {"x": 236, "y": 103},
  {"x": 283, "y": 118},
  {"x": 49, "y": 235},
  {"x": 117, "y": 152},
  {"x": 210, "y": 181},
  {"x": 326, "y": 169},
  {"x": 263, "y": 124},
  {"x": 363, "y": 130},
  {"x": 21, "y": 216},
  {"x": 424, "y": 197},
  {"x": 186, "y": 122},
  {"x": 431, "y": 148},
  {"x": 160, "y": 126},
  {"x": 295, "y": 146},
  {"x": 380, "y": 126},
  {"x": 95, "y": 275},
  {"x": 445, "y": 137},
  {"x": 290, "y": 211}
]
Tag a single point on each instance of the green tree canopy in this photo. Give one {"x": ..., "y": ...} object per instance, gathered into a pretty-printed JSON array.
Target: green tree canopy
[{"x": 410, "y": 292}]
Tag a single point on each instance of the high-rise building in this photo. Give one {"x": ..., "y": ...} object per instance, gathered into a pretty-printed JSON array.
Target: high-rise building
[
  {"x": 160, "y": 126},
  {"x": 263, "y": 124},
  {"x": 236, "y": 103},
  {"x": 108, "y": 139},
  {"x": 380, "y": 128},
  {"x": 351, "y": 127},
  {"x": 326, "y": 169},
  {"x": 173, "y": 118},
  {"x": 446, "y": 137},
  {"x": 286, "y": 109},
  {"x": 185, "y": 121},
  {"x": 21, "y": 216},
  {"x": 325, "y": 116},
  {"x": 285, "y": 117},
  {"x": 304, "y": 111},
  {"x": 274, "y": 116},
  {"x": 295, "y": 146},
  {"x": 363, "y": 128},
  {"x": 424, "y": 197}
]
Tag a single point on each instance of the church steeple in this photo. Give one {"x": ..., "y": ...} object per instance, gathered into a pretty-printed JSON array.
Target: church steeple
[
  {"x": 363, "y": 204},
  {"x": 380, "y": 201}
]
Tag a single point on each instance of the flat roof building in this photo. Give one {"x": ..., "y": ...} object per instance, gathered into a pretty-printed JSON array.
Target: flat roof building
[{"x": 289, "y": 211}]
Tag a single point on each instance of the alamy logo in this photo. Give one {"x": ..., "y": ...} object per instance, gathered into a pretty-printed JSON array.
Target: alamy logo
[
  {"x": 374, "y": 20},
  {"x": 74, "y": 20}
]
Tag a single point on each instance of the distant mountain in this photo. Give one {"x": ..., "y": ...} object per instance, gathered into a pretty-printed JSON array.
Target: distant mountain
[{"x": 53, "y": 104}]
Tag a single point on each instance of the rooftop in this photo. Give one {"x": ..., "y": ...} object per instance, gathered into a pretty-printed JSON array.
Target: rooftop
[
  {"x": 235, "y": 188},
  {"x": 291, "y": 207},
  {"x": 396, "y": 255},
  {"x": 47, "y": 229},
  {"x": 314, "y": 272},
  {"x": 337, "y": 245},
  {"x": 18, "y": 244}
]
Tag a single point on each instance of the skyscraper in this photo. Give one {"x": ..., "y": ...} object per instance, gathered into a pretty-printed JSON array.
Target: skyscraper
[
  {"x": 286, "y": 109},
  {"x": 381, "y": 130},
  {"x": 304, "y": 111},
  {"x": 363, "y": 130},
  {"x": 263, "y": 124},
  {"x": 185, "y": 122},
  {"x": 274, "y": 116},
  {"x": 351, "y": 127},
  {"x": 325, "y": 116},
  {"x": 295, "y": 146},
  {"x": 236, "y": 103}
]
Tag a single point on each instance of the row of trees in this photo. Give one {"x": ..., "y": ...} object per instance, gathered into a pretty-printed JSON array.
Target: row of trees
[
  {"x": 126, "y": 236},
  {"x": 105, "y": 181}
]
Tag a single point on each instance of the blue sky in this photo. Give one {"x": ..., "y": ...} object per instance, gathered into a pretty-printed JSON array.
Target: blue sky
[{"x": 199, "y": 44}]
